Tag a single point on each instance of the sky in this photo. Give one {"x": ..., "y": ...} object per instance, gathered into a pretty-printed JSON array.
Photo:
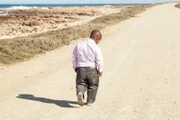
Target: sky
[{"x": 79, "y": 1}]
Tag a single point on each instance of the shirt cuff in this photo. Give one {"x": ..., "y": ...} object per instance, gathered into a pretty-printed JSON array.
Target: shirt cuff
[
  {"x": 100, "y": 69},
  {"x": 74, "y": 66}
]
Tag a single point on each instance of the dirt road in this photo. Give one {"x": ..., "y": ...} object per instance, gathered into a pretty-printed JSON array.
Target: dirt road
[{"x": 140, "y": 82}]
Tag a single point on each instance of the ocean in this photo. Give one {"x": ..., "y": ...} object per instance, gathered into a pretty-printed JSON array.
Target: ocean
[
  {"x": 5, "y": 7},
  {"x": 28, "y": 6}
]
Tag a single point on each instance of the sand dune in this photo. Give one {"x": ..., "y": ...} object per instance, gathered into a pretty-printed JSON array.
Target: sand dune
[{"x": 140, "y": 82}]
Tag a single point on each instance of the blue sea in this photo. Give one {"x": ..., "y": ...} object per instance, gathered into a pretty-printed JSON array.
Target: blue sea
[
  {"x": 16, "y": 6},
  {"x": 46, "y": 6}
]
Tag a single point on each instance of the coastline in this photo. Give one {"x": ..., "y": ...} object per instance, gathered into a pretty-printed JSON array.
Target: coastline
[
  {"x": 23, "y": 48},
  {"x": 24, "y": 22}
]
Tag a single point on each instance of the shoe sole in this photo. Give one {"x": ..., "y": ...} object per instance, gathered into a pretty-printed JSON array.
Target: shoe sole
[
  {"x": 89, "y": 104},
  {"x": 80, "y": 99}
]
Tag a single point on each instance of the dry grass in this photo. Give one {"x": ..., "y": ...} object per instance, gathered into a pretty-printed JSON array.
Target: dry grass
[
  {"x": 23, "y": 48},
  {"x": 177, "y": 5}
]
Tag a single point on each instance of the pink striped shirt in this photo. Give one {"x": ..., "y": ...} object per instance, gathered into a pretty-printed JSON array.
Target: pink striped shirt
[{"x": 87, "y": 54}]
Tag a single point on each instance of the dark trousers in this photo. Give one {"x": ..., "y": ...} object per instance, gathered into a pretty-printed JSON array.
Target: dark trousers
[{"x": 87, "y": 79}]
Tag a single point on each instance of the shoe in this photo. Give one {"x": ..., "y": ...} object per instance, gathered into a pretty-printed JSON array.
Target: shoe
[
  {"x": 80, "y": 99},
  {"x": 89, "y": 104}
]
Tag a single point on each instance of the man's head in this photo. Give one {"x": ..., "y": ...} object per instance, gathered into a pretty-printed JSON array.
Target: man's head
[{"x": 96, "y": 36}]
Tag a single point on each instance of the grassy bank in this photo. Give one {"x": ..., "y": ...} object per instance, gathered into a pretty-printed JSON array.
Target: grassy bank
[
  {"x": 23, "y": 48},
  {"x": 177, "y": 5}
]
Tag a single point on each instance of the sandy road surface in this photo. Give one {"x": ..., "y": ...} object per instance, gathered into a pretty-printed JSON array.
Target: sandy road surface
[{"x": 141, "y": 77}]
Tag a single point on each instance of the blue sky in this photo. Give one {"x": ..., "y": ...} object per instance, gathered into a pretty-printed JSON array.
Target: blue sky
[{"x": 80, "y": 1}]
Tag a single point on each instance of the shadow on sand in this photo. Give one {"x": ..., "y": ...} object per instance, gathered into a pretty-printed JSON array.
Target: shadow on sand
[{"x": 61, "y": 103}]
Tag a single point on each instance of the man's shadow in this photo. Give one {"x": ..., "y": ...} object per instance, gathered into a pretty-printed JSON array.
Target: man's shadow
[{"x": 61, "y": 103}]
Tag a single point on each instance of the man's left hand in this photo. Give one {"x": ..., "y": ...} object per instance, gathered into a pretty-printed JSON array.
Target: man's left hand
[{"x": 75, "y": 69}]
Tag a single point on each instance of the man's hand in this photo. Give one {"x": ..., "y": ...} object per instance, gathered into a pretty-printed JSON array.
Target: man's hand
[
  {"x": 100, "y": 74},
  {"x": 75, "y": 69}
]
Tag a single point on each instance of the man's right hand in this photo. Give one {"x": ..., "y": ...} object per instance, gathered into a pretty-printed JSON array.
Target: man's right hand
[{"x": 100, "y": 74}]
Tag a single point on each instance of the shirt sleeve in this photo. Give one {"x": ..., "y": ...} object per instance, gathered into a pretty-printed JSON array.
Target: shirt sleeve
[
  {"x": 74, "y": 58},
  {"x": 99, "y": 60}
]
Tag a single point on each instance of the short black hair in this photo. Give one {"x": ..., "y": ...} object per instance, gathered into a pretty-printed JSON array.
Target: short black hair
[{"x": 94, "y": 32}]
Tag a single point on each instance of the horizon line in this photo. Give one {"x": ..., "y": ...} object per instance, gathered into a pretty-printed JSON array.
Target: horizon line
[
  {"x": 82, "y": 3},
  {"x": 102, "y": 3}
]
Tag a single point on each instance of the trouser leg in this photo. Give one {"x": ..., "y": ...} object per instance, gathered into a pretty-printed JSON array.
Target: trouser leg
[
  {"x": 92, "y": 92},
  {"x": 81, "y": 83},
  {"x": 93, "y": 84}
]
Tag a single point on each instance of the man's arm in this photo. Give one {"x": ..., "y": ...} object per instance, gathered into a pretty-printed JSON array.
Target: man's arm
[
  {"x": 99, "y": 61},
  {"x": 74, "y": 59}
]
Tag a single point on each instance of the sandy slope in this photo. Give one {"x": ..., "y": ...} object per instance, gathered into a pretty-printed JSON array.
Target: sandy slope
[{"x": 140, "y": 82}]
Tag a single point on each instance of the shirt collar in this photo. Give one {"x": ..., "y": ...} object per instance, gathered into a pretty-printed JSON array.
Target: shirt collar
[{"x": 92, "y": 41}]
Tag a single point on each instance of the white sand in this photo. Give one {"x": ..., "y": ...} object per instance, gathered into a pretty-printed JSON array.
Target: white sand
[{"x": 140, "y": 82}]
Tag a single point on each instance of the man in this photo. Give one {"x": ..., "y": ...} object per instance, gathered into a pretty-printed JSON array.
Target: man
[{"x": 88, "y": 63}]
